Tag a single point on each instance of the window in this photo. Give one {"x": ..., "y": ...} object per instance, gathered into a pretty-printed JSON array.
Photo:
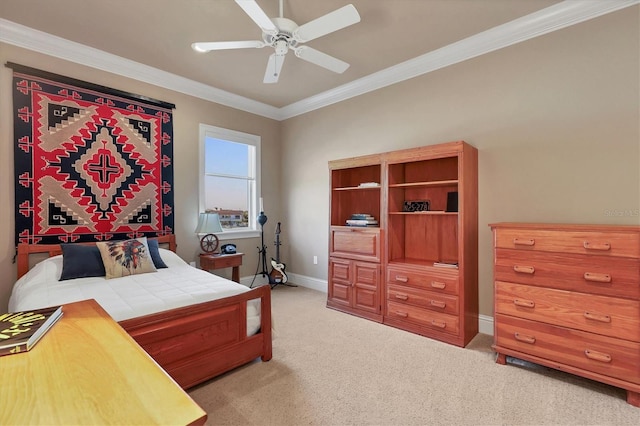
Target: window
[{"x": 229, "y": 179}]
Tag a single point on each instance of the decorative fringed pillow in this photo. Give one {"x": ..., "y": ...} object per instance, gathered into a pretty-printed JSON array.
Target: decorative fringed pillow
[{"x": 123, "y": 258}]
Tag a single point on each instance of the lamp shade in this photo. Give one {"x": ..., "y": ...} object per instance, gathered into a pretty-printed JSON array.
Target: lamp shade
[{"x": 209, "y": 223}]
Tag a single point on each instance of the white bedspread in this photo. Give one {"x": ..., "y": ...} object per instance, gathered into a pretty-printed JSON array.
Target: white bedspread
[{"x": 178, "y": 285}]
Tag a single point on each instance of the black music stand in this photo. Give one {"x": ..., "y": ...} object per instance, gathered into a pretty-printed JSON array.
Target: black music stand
[{"x": 262, "y": 251}]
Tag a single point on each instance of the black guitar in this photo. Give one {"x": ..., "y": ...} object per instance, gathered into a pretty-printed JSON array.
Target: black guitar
[{"x": 277, "y": 274}]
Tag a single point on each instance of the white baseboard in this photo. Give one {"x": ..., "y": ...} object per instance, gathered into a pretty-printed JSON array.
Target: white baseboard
[
  {"x": 308, "y": 282},
  {"x": 485, "y": 322}
]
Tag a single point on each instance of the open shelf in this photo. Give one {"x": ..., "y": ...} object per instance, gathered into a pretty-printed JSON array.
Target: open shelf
[
  {"x": 428, "y": 212},
  {"x": 423, "y": 263},
  {"x": 429, "y": 183},
  {"x": 357, "y": 188}
]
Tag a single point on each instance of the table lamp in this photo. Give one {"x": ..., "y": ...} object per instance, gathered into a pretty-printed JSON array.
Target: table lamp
[{"x": 209, "y": 224}]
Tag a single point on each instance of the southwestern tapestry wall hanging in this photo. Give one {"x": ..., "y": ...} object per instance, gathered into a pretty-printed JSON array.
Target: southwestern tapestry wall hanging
[{"x": 91, "y": 163}]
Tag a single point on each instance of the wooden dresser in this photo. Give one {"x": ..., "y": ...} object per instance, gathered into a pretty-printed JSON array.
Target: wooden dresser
[{"x": 568, "y": 297}]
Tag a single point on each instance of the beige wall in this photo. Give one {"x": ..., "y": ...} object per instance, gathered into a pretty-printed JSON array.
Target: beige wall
[
  {"x": 189, "y": 113},
  {"x": 555, "y": 120}
]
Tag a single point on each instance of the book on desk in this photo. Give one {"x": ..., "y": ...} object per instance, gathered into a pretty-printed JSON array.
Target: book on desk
[{"x": 20, "y": 331}]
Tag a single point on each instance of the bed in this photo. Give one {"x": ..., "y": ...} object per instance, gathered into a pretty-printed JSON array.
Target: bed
[{"x": 191, "y": 331}]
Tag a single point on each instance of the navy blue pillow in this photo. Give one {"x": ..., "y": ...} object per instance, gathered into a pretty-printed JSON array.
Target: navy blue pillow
[
  {"x": 154, "y": 250},
  {"x": 80, "y": 261}
]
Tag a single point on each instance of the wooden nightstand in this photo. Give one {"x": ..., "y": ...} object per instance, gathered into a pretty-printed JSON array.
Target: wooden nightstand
[{"x": 209, "y": 262}]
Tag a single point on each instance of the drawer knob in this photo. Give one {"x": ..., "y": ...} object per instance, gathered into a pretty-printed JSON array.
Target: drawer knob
[
  {"x": 597, "y": 246},
  {"x": 597, "y": 317},
  {"x": 438, "y": 285},
  {"x": 402, "y": 278},
  {"x": 597, "y": 278},
  {"x": 402, "y": 314},
  {"x": 438, "y": 304},
  {"x": 524, "y": 338},
  {"x": 402, "y": 296},
  {"x": 524, "y": 241},
  {"x": 597, "y": 356},
  {"x": 524, "y": 269},
  {"x": 524, "y": 303},
  {"x": 439, "y": 324}
]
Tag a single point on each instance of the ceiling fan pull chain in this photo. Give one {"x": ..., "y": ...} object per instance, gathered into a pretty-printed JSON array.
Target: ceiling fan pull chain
[{"x": 275, "y": 65}]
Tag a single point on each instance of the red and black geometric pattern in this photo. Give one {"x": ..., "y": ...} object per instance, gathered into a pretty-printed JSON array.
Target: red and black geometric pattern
[{"x": 91, "y": 163}]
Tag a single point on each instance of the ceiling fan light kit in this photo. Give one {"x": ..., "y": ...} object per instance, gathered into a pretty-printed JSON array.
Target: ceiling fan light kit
[{"x": 283, "y": 34}]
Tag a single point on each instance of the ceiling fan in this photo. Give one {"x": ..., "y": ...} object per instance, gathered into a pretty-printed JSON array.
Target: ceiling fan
[{"x": 283, "y": 35}]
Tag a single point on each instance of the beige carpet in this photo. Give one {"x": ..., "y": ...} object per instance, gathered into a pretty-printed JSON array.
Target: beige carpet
[{"x": 331, "y": 368}]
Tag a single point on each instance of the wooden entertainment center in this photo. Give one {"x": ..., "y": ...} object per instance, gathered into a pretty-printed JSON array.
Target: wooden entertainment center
[{"x": 417, "y": 267}]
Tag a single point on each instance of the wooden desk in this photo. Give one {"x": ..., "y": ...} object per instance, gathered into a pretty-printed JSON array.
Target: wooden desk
[
  {"x": 88, "y": 370},
  {"x": 209, "y": 262}
]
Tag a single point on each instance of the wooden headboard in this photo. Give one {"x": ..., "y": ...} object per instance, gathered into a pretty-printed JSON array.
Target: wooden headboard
[{"x": 25, "y": 250}]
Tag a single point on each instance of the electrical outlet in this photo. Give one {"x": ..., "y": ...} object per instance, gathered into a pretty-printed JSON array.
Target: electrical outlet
[
  {"x": 315, "y": 260},
  {"x": 193, "y": 263}
]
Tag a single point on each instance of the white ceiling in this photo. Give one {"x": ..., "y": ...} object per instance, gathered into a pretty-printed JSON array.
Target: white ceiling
[{"x": 158, "y": 34}]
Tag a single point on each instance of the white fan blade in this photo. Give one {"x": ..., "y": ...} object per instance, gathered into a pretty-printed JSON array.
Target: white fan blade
[
  {"x": 334, "y": 21},
  {"x": 322, "y": 59},
  {"x": 274, "y": 66},
  {"x": 258, "y": 16},
  {"x": 222, "y": 45}
]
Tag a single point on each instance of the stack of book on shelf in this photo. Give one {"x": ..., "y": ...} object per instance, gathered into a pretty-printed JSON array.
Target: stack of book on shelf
[
  {"x": 362, "y": 219},
  {"x": 20, "y": 331},
  {"x": 369, "y": 185},
  {"x": 453, "y": 265}
]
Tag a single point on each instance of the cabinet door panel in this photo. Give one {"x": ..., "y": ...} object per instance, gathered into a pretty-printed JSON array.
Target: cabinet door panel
[
  {"x": 366, "y": 286},
  {"x": 340, "y": 293},
  {"x": 340, "y": 281},
  {"x": 355, "y": 243},
  {"x": 339, "y": 270}
]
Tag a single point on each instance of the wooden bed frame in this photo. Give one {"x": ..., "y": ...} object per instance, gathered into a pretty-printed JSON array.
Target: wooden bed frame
[{"x": 194, "y": 343}]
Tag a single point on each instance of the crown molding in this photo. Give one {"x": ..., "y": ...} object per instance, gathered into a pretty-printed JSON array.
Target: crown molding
[
  {"x": 553, "y": 18},
  {"x": 31, "y": 39}
]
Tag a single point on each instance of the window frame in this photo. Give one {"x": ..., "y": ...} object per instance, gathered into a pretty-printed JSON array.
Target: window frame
[{"x": 207, "y": 130}]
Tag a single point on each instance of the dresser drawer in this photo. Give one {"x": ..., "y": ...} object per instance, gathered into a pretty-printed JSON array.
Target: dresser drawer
[
  {"x": 423, "y": 317},
  {"x": 619, "y": 277},
  {"x": 581, "y": 242},
  {"x": 439, "y": 282},
  {"x": 425, "y": 299},
  {"x": 600, "y": 354},
  {"x": 355, "y": 243},
  {"x": 597, "y": 314}
]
